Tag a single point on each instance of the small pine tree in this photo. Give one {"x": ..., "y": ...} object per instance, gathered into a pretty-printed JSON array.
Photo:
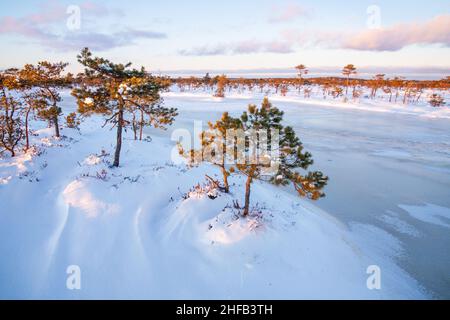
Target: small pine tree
[
  {"x": 348, "y": 70},
  {"x": 215, "y": 148},
  {"x": 72, "y": 121},
  {"x": 302, "y": 71},
  {"x": 32, "y": 100},
  {"x": 291, "y": 155},
  {"x": 292, "y": 158},
  {"x": 115, "y": 91},
  {"x": 207, "y": 80},
  {"x": 222, "y": 82},
  {"x": 337, "y": 91},
  {"x": 48, "y": 79},
  {"x": 436, "y": 100},
  {"x": 11, "y": 126}
]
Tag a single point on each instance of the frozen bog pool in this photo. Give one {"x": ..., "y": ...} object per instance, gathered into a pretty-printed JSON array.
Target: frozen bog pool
[
  {"x": 388, "y": 169},
  {"x": 134, "y": 233}
]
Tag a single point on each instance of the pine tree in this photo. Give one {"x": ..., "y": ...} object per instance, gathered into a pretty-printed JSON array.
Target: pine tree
[
  {"x": 33, "y": 102},
  {"x": 292, "y": 158},
  {"x": 259, "y": 160},
  {"x": 11, "y": 126},
  {"x": 348, "y": 71},
  {"x": 302, "y": 70},
  {"x": 397, "y": 83},
  {"x": 222, "y": 82},
  {"x": 116, "y": 90},
  {"x": 48, "y": 79},
  {"x": 215, "y": 148},
  {"x": 72, "y": 121},
  {"x": 207, "y": 80},
  {"x": 436, "y": 100},
  {"x": 376, "y": 83}
]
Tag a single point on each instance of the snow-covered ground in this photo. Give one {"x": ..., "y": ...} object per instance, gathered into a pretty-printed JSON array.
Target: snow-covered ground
[
  {"x": 383, "y": 102},
  {"x": 140, "y": 232}
]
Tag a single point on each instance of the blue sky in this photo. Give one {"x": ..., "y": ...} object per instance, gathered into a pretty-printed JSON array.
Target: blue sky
[{"x": 229, "y": 35}]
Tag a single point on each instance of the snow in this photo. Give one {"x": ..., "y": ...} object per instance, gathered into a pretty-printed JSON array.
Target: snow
[
  {"x": 5, "y": 180},
  {"x": 123, "y": 88},
  {"x": 77, "y": 196},
  {"x": 430, "y": 213},
  {"x": 92, "y": 160},
  {"x": 140, "y": 231},
  {"x": 380, "y": 105},
  {"x": 399, "y": 225},
  {"x": 88, "y": 101}
]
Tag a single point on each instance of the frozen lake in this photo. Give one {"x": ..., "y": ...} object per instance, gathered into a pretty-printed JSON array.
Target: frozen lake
[{"x": 387, "y": 170}]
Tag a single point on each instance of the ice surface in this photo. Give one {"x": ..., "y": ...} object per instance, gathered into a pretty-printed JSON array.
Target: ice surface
[
  {"x": 134, "y": 233},
  {"x": 379, "y": 157},
  {"x": 430, "y": 213}
]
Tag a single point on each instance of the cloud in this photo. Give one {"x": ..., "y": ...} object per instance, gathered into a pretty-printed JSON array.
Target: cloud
[
  {"x": 434, "y": 31},
  {"x": 290, "y": 12},
  {"x": 394, "y": 38},
  {"x": 305, "y": 38},
  {"x": 100, "y": 41},
  {"x": 242, "y": 47},
  {"x": 11, "y": 25},
  {"x": 205, "y": 51},
  {"x": 43, "y": 25}
]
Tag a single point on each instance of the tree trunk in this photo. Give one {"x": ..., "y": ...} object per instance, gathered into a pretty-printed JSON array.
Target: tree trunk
[
  {"x": 141, "y": 129},
  {"x": 55, "y": 123},
  {"x": 225, "y": 180},
  {"x": 134, "y": 126},
  {"x": 247, "y": 195},
  {"x": 418, "y": 98},
  {"x": 27, "y": 139},
  {"x": 348, "y": 84},
  {"x": 119, "y": 139}
]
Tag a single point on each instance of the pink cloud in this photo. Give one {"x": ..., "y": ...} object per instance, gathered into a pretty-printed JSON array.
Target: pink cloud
[
  {"x": 394, "y": 38},
  {"x": 38, "y": 27},
  {"x": 33, "y": 25},
  {"x": 434, "y": 31},
  {"x": 13, "y": 25}
]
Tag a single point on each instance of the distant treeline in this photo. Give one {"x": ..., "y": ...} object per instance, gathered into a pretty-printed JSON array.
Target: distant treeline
[
  {"x": 348, "y": 86},
  {"x": 442, "y": 84}
]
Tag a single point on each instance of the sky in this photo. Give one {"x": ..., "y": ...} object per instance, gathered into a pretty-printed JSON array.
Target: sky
[{"x": 197, "y": 35}]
